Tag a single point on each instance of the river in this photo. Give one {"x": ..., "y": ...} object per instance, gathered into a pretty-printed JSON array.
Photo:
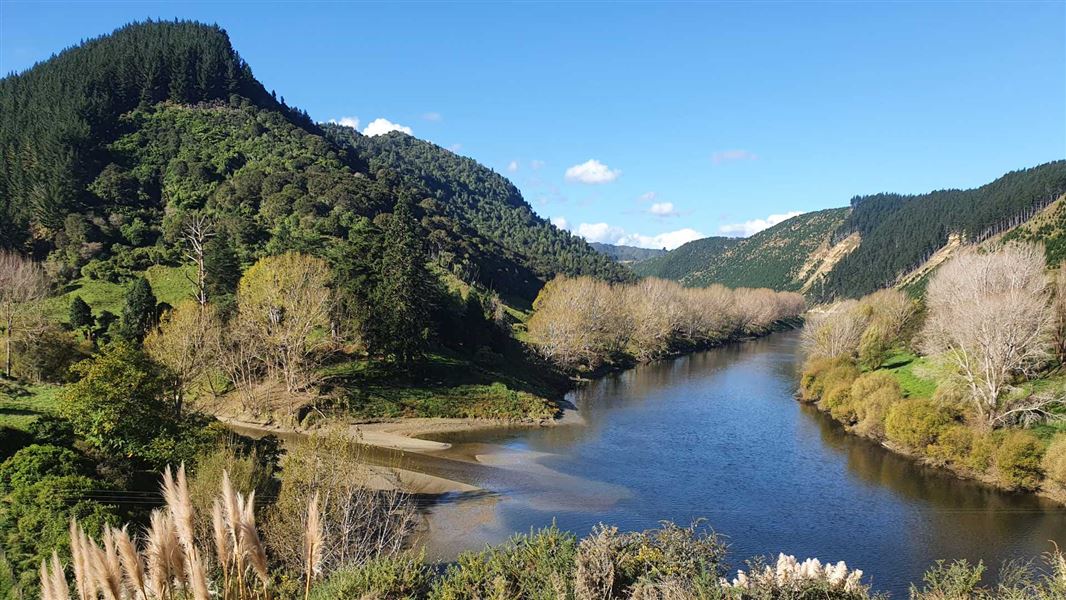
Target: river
[{"x": 718, "y": 435}]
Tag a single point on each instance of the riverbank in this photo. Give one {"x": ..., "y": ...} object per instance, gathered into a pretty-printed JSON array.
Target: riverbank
[{"x": 905, "y": 414}]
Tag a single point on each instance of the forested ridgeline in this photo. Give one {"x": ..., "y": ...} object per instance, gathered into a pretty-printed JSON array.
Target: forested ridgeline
[
  {"x": 970, "y": 378},
  {"x": 582, "y": 324},
  {"x": 627, "y": 254},
  {"x": 850, "y": 252},
  {"x": 900, "y": 232},
  {"x": 110, "y": 147}
]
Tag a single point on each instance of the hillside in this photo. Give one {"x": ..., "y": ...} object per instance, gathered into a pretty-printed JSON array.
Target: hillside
[
  {"x": 781, "y": 257},
  {"x": 109, "y": 147},
  {"x": 879, "y": 241},
  {"x": 627, "y": 254}
]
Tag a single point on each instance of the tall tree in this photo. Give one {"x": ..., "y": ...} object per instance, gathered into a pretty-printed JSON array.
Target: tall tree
[
  {"x": 81, "y": 317},
  {"x": 22, "y": 284},
  {"x": 222, "y": 268},
  {"x": 139, "y": 315},
  {"x": 406, "y": 289}
]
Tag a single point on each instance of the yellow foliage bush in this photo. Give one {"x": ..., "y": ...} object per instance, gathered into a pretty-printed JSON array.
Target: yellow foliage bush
[
  {"x": 953, "y": 446},
  {"x": 1054, "y": 462},
  {"x": 812, "y": 382},
  {"x": 1018, "y": 460},
  {"x": 838, "y": 402},
  {"x": 872, "y": 410},
  {"x": 982, "y": 447},
  {"x": 917, "y": 422}
]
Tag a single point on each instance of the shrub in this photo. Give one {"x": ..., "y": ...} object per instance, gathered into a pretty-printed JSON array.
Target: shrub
[
  {"x": 1018, "y": 459},
  {"x": 981, "y": 450},
  {"x": 812, "y": 381},
  {"x": 53, "y": 430},
  {"x": 842, "y": 374},
  {"x": 33, "y": 463},
  {"x": 872, "y": 410},
  {"x": 950, "y": 581},
  {"x": 953, "y": 446},
  {"x": 394, "y": 577},
  {"x": 839, "y": 403},
  {"x": 917, "y": 422},
  {"x": 1054, "y": 462}
]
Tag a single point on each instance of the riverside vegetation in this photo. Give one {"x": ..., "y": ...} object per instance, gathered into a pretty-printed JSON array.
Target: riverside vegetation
[{"x": 969, "y": 378}]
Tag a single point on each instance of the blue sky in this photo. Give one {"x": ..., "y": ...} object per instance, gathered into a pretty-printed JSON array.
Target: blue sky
[{"x": 652, "y": 124}]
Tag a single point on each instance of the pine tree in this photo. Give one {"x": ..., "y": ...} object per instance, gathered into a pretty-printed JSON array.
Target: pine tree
[
  {"x": 222, "y": 267},
  {"x": 406, "y": 290},
  {"x": 81, "y": 316},
  {"x": 140, "y": 313}
]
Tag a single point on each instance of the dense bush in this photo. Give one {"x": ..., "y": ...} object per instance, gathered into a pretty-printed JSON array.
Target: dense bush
[
  {"x": 35, "y": 462},
  {"x": 400, "y": 577},
  {"x": 1054, "y": 463},
  {"x": 873, "y": 394},
  {"x": 917, "y": 422},
  {"x": 1018, "y": 460}
]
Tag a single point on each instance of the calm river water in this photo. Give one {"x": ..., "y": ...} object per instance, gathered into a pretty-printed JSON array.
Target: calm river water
[{"x": 717, "y": 435}]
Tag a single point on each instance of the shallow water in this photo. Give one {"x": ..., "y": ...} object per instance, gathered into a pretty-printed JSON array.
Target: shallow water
[{"x": 717, "y": 435}]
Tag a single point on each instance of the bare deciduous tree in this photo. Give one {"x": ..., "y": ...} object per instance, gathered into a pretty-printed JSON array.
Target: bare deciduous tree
[
  {"x": 990, "y": 317},
  {"x": 835, "y": 331},
  {"x": 187, "y": 341},
  {"x": 198, "y": 230},
  {"x": 22, "y": 284}
]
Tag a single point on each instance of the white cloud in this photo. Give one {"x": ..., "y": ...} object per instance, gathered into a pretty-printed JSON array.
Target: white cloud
[
  {"x": 755, "y": 225},
  {"x": 663, "y": 209},
  {"x": 512, "y": 166},
  {"x": 432, "y": 116},
  {"x": 648, "y": 196},
  {"x": 592, "y": 171},
  {"x": 536, "y": 164},
  {"x": 609, "y": 234},
  {"x": 381, "y": 126},
  {"x": 732, "y": 155},
  {"x": 352, "y": 122},
  {"x": 455, "y": 148},
  {"x": 560, "y": 222}
]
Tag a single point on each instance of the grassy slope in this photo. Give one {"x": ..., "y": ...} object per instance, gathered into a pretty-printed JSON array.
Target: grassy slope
[
  {"x": 20, "y": 404},
  {"x": 169, "y": 284}
]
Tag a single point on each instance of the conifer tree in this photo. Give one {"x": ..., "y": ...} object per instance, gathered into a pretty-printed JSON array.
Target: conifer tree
[
  {"x": 81, "y": 316},
  {"x": 140, "y": 313}
]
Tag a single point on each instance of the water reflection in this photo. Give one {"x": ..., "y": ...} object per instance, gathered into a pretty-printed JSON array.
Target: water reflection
[{"x": 719, "y": 435}]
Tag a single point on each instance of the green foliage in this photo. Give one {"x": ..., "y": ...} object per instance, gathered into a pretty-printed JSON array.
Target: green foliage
[
  {"x": 1018, "y": 460},
  {"x": 628, "y": 254},
  {"x": 33, "y": 463},
  {"x": 81, "y": 315},
  {"x": 118, "y": 405},
  {"x": 774, "y": 258},
  {"x": 917, "y": 422},
  {"x": 954, "y": 445},
  {"x": 400, "y": 577},
  {"x": 948, "y": 581},
  {"x": 140, "y": 314}
]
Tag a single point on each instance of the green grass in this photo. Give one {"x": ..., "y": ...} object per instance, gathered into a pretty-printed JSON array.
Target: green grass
[
  {"x": 20, "y": 405},
  {"x": 170, "y": 285},
  {"x": 441, "y": 386},
  {"x": 905, "y": 366}
]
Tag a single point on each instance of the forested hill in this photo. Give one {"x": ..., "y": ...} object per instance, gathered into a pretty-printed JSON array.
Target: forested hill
[
  {"x": 873, "y": 243},
  {"x": 470, "y": 192},
  {"x": 627, "y": 254},
  {"x": 109, "y": 147}
]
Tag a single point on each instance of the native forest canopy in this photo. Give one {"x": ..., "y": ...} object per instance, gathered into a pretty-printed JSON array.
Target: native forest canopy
[{"x": 189, "y": 265}]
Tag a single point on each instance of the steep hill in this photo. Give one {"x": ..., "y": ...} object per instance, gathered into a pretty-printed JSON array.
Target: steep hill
[
  {"x": 880, "y": 240},
  {"x": 108, "y": 146},
  {"x": 781, "y": 257},
  {"x": 627, "y": 254}
]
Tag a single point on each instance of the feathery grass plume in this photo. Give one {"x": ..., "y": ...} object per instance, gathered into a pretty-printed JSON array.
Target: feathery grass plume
[
  {"x": 60, "y": 587},
  {"x": 158, "y": 550},
  {"x": 83, "y": 580},
  {"x": 46, "y": 583},
  {"x": 232, "y": 504},
  {"x": 197, "y": 579},
  {"x": 250, "y": 537},
  {"x": 313, "y": 542},
  {"x": 132, "y": 564},
  {"x": 176, "y": 495},
  {"x": 223, "y": 549},
  {"x": 99, "y": 567}
]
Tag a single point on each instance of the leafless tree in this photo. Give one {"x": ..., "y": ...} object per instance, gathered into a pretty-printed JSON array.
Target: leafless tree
[
  {"x": 834, "y": 331},
  {"x": 22, "y": 285},
  {"x": 198, "y": 230},
  {"x": 989, "y": 315}
]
